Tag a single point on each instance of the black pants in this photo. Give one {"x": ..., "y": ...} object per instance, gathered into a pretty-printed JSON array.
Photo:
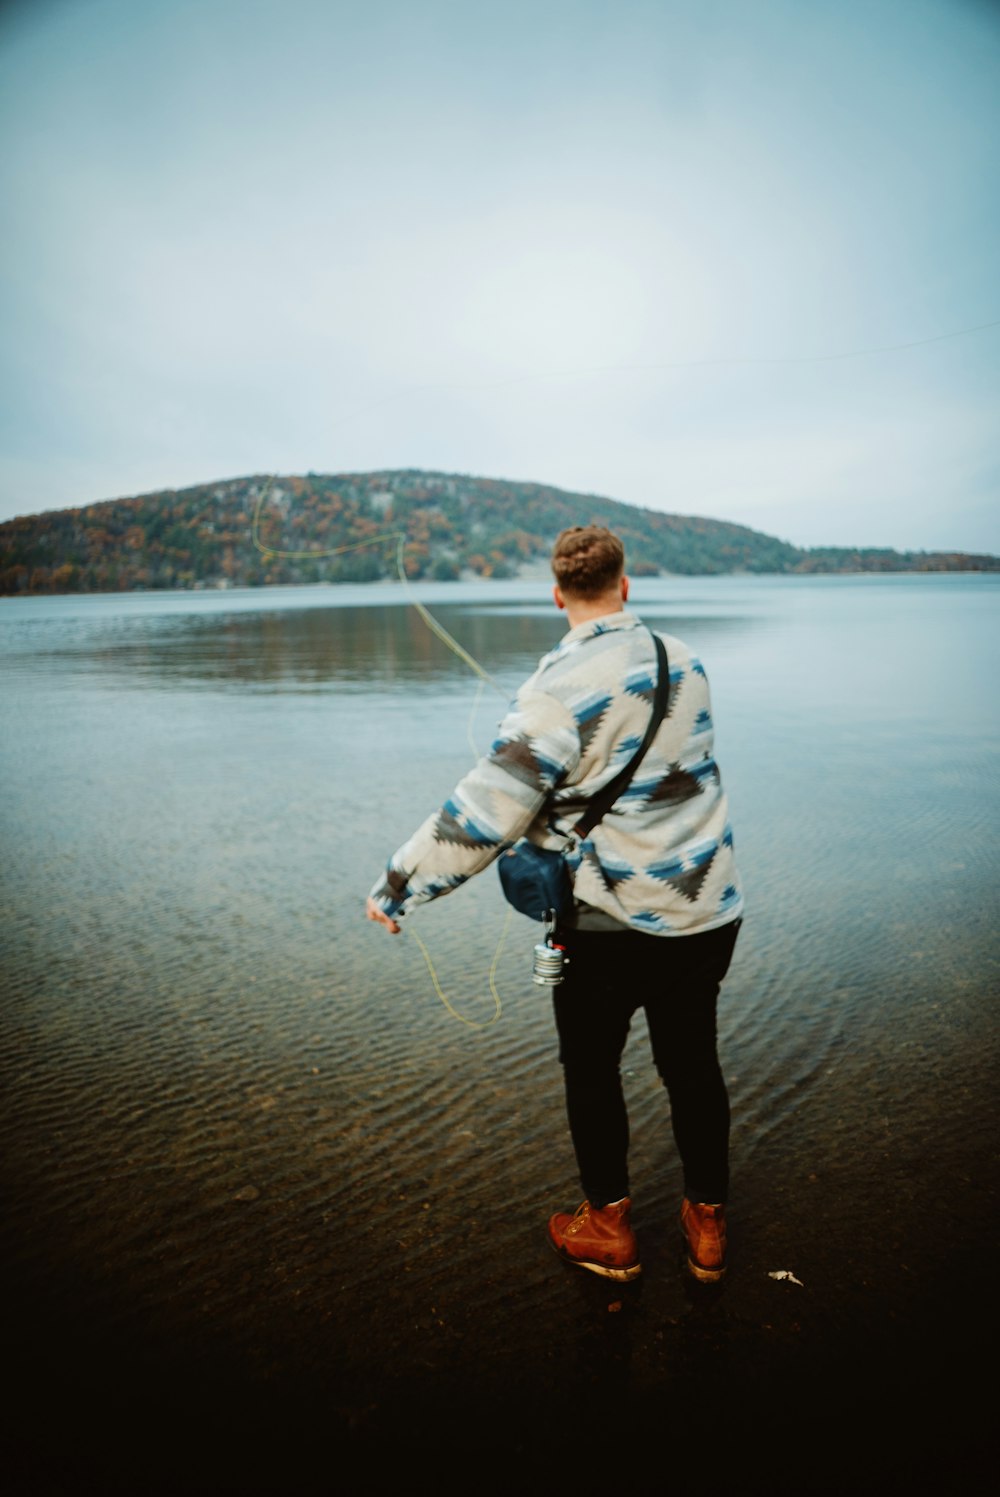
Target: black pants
[{"x": 676, "y": 980}]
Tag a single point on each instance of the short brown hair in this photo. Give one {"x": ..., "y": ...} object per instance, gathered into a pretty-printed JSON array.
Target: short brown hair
[{"x": 587, "y": 560}]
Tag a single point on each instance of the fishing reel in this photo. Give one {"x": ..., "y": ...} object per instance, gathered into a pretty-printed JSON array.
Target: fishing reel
[{"x": 548, "y": 959}]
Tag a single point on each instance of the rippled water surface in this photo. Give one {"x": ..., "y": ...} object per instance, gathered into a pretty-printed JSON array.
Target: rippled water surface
[{"x": 266, "y": 1192}]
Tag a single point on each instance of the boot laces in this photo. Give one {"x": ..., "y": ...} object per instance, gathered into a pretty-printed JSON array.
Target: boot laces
[{"x": 581, "y": 1217}]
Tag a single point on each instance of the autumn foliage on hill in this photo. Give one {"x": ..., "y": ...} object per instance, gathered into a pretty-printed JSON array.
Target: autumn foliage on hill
[{"x": 346, "y": 528}]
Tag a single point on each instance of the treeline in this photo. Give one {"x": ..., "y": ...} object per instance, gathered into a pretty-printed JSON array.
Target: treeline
[{"x": 251, "y": 532}]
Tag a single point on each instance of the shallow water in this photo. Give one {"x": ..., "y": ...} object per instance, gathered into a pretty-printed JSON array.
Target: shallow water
[{"x": 264, "y": 1188}]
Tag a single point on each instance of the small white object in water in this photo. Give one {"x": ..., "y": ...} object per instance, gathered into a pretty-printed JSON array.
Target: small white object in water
[{"x": 785, "y": 1273}]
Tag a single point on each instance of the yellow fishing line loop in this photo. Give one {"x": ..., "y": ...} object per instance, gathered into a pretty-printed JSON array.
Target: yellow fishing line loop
[
  {"x": 498, "y": 1008},
  {"x": 472, "y": 717},
  {"x": 399, "y": 536}
]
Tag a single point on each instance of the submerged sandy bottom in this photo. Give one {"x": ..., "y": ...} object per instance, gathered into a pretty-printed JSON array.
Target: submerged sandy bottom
[
  {"x": 320, "y": 1247},
  {"x": 275, "y": 1221},
  {"x": 410, "y": 1332}
]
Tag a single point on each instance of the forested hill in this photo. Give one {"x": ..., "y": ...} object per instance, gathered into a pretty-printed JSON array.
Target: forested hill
[{"x": 452, "y": 524}]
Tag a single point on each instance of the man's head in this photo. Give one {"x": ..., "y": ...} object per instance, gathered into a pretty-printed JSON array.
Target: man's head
[{"x": 588, "y": 563}]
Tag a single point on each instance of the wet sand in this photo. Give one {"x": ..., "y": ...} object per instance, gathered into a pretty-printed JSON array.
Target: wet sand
[
  {"x": 340, "y": 1279},
  {"x": 465, "y": 1355}
]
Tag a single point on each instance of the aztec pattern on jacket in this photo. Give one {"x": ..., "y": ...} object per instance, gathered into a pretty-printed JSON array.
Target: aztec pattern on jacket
[{"x": 661, "y": 860}]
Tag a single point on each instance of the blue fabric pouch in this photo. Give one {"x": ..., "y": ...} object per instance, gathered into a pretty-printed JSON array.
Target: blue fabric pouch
[{"x": 536, "y": 881}]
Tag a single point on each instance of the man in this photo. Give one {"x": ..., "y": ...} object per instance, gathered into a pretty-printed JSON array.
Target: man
[{"x": 657, "y": 900}]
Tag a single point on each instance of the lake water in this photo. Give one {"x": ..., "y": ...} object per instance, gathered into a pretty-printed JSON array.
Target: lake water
[{"x": 272, "y": 1207}]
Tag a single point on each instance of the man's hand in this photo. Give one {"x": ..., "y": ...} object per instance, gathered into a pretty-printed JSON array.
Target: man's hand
[{"x": 374, "y": 913}]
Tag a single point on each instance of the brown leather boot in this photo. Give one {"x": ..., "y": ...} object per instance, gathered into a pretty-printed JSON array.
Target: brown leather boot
[
  {"x": 600, "y": 1239},
  {"x": 704, "y": 1229}
]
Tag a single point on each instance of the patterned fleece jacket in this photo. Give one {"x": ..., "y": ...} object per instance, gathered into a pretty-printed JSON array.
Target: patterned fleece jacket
[{"x": 661, "y": 860}]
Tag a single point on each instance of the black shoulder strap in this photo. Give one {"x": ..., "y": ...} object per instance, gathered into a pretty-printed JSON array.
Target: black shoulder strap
[{"x": 605, "y": 799}]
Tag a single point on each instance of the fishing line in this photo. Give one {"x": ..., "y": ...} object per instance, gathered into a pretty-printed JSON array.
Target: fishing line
[
  {"x": 399, "y": 536},
  {"x": 472, "y": 717},
  {"x": 472, "y": 1023},
  {"x": 441, "y": 633},
  {"x": 538, "y": 375}
]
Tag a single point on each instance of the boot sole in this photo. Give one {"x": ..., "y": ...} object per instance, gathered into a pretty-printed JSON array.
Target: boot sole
[
  {"x": 620, "y": 1275},
  {"x": 705, "y": 1275}
]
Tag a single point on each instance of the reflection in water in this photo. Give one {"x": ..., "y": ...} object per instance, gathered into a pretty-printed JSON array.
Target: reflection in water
[
  {"x": 308, "y": 649},
  {"x": 241, "y": 1133}
]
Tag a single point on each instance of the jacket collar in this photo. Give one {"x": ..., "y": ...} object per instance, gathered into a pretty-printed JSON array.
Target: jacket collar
[{"x": 603, "y": 625}]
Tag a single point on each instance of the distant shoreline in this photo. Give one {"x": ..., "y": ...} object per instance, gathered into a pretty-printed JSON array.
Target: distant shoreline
[
  {"x": 365, "y": 527},
  {"x": 508, "y": 584}
]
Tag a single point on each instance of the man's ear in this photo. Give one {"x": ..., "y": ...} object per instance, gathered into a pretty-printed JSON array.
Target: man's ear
[
  {"x": 558, "y": 598},
  {"x": 624, "y": 588}
]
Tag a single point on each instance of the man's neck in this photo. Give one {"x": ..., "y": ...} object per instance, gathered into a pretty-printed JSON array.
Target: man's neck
[{"x": 585, "y": 610}]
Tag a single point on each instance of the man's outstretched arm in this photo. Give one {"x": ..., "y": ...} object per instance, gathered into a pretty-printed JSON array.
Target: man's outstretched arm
[{"x": 536, "y": 749}]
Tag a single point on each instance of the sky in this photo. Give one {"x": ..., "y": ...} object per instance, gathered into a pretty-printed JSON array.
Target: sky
[{"x": 663, "y": 252}]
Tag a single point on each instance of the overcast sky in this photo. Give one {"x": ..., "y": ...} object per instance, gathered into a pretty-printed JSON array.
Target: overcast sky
[{"x": 615, "y": 247}]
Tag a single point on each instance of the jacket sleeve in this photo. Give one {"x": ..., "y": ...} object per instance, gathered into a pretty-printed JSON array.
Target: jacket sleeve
[{"x": 536, "y": 750}]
